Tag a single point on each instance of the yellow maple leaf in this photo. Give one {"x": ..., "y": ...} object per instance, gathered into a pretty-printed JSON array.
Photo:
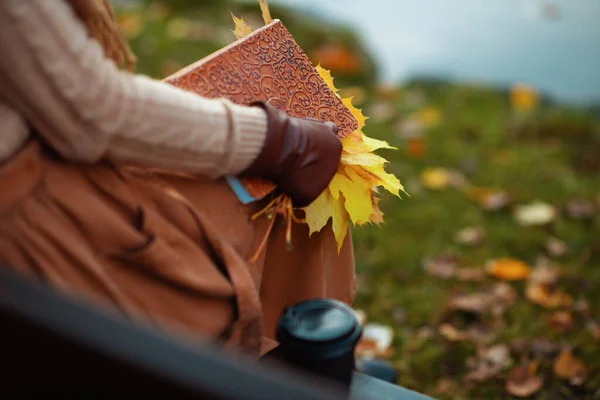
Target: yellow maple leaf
[
  {"x": 241, "y": 27},
  {"x": 351, "y": 193},
  {"x": 385, "y": 179},
  {"x": 357, "y": 196},
  {"x": 358, "y": 142},
  {"x": 339, "y": 222},
  {"x": 354, "y": 144},
  {"x": 326, "y": 76},
  {"x": 377, "y": 216},
  {"x": 375, "y": 144},
  {"x": 362, "y": 159},
  {"x": 264, "y": 8},
  {"x": 320, "y": 212},
  {"x": 356, "y": 113}
]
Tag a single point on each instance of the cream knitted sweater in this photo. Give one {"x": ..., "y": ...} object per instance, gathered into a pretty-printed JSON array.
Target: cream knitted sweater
[{"x": 54, "y": 78}]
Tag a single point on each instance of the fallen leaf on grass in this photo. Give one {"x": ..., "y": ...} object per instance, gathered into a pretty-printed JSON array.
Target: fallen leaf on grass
[
  {"x": 470, "y": 236},
  {"x": 415, "y": 147},
  {"x": 376, "y": 341},
  {"x": 519, "y": 345},
  {"x": 451, "y": 333},
  {"x": 491, "y": 199},
  {"x": 435, "y": 178},
  {"x": 366, "y": 349},
  {"x": 547, "y": 297},
  {"x": 508, "y": 269},
  {"x": 568, "y": 367},
  {"x": 457, "y": 180},
  {"x": 580, "y": 209},
  {"x": 470, "y": 274},
  {"x": 443, "y": 266},
  {"x": 535, "y": 214},
  {"x": 474, "y": 316},
  {"x": 488, "y": 363},
  {"x": 522, "y": 381},
  {"x": 474, "y": 302},
  {"x": 424, "y": 333},
  {"x": 556, "y": 247},
  {"x": 445, "y": 386},
  {"x": 543, "y": 274},
  {"x": 481, "y": 334},
  {"x": 495, "y": 300},
  {"x": 582, "y": 306},
  {"x": 503, "y": 293},
  {"x": 562, "y": 320},
  {"x": 474, "y": 332},
  {"x": 594, "y": 328},
  {"x": 542, "y": 348},
  {"x": 495, "y": 201},
  {"x": 503, "y": 296},
  {"x": 498, "y": 355}
]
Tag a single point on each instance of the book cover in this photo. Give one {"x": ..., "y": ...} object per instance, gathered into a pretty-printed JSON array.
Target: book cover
[{"x": 266, "y": 65}]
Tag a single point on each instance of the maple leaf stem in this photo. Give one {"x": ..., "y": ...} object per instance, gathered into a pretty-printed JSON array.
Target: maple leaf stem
[
  {"x": 296, "y": 219},
  {"x": 263, "y": 242},
  {"x": 288, "y": 209},
  {"x": 280, "y": 205},
  {"x": 272, "y": 204}
]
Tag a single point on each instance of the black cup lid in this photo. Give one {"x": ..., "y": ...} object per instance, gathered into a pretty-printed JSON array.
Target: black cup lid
[{"x": 323, "y": 324}]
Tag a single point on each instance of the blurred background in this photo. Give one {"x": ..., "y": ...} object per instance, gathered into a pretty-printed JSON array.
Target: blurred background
[{"x": 485, "y": 281}]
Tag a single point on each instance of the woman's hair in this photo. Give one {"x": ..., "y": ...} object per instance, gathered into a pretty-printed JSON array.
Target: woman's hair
[{"x": 99, "y": 19}]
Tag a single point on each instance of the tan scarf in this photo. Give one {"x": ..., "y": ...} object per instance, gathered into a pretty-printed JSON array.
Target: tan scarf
[{"x": 99, "y": 19}]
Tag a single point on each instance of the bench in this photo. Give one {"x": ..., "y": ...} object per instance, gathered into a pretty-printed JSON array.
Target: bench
[{"x": 52, "y": 344}]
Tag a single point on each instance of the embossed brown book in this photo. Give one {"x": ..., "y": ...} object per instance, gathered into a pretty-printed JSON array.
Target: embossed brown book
[{"x": 266, "y": 65}]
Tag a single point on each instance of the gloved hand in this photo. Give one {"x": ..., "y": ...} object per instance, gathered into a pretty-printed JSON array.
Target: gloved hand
[{"x": 300, "y": 156}]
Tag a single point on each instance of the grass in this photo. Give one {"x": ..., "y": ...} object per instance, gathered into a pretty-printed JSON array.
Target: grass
[
  {"x": 389, "y": 258},
  {"x": 551, "y": 153}
]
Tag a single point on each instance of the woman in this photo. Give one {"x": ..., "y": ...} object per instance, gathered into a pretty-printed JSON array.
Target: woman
[{"x": 83, "y": 208}]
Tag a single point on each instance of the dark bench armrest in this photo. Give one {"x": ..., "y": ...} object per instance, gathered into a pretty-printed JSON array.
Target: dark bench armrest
[
  {"x": 365, "y": 387},
  {"x": 51, "y": 343}
]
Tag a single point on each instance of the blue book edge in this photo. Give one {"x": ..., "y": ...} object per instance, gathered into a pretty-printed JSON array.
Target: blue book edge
[{"x": 239, "y": 190}]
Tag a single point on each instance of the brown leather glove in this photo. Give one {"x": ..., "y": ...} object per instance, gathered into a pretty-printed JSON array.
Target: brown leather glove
[{"x": 300, "y": 156}]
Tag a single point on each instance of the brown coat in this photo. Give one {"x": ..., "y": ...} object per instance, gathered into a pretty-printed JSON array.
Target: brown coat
[{"x": 164, "y": 249}]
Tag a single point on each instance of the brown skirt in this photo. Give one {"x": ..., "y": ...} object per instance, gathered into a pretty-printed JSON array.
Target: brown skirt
[{"x": 164, "y": 249}]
